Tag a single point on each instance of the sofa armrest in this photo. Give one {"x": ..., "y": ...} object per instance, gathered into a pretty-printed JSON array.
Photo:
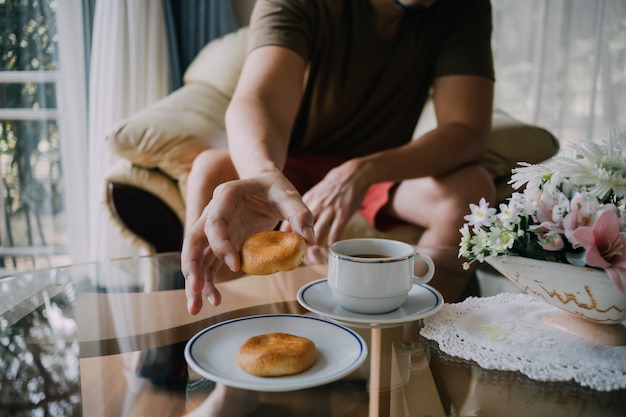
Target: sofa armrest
[
  {"x": 146, "y": 206},
  {"x": 147, "y": 216}
]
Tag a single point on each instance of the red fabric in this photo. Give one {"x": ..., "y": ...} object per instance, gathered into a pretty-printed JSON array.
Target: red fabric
[
  {"x": 304, "y": 171},
  {"x": 375, "y": 199}
]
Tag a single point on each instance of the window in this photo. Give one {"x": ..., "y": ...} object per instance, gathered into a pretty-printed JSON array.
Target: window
[{"x": 32, "y": 221}]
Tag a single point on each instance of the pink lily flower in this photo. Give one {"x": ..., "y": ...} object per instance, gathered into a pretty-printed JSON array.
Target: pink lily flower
[
  {"x": 580, "y": 212},
  {"x": 605, "y": 246},
  {"x": 551, "y": 241}
]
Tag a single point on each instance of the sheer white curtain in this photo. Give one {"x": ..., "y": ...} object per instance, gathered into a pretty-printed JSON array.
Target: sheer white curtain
[
  {"x": 72, "y": 97},
  {"x": 128, "y": 71},
  {"x": 561, "y": 64}
]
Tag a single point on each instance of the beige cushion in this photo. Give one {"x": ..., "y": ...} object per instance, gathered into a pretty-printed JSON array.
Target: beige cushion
[
  {"x": 512, "y": 141},
  {"x": 170, "y": 133},
  {"x": 219, "y": 63}
]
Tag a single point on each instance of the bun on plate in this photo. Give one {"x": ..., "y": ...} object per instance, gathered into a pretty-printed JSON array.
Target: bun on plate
[{"x": 276, "y": 354}]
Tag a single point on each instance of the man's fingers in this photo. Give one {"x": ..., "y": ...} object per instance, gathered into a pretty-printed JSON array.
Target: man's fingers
[
  {"x": 198, "y": 264},
  {"x": 210, "y": 271},
  {"x": 212, "y": 294},
  {"x": 201, "y": 285},
  {"x": 322, "y": 226},
  {"x": 316, "y": 255},
  {"x": 300, "y": 220},
  {"x": 194, "y": 304},
  {"x": 222, "y": 246},
  {"x": 216, "y": 228},
  {"x": 337, "y": 227},
  {"x": 192, "y": 257}
]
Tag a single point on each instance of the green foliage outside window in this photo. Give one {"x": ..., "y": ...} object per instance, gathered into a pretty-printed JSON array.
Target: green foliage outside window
[{"x": 29, "y": 146}]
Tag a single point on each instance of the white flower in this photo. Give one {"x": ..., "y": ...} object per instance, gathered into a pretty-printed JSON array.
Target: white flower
[
  {"x": 466, "y": 236},
  {"x": 532, "y": 175},
  {"x": 479, "y": 245},
  {"x": 601, "y": 168},
  {"x": 509, "y": 214},
  {"x": 481, "y": 214},
  {"x": 501, "y": 239}
]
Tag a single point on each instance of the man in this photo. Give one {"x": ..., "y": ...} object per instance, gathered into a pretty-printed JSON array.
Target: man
[{"x": 321, "y": 123}]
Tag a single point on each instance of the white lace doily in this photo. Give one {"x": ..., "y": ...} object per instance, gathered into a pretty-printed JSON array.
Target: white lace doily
[{"x": 506, "y": 332}]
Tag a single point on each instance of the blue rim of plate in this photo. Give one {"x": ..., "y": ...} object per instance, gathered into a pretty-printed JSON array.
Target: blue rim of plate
[
  {"x": 372, "y": 320},
  {"x": 307, "y": 379}
]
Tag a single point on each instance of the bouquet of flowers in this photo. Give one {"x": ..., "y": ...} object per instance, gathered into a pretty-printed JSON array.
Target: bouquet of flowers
[{"x": 571, "y": 210}]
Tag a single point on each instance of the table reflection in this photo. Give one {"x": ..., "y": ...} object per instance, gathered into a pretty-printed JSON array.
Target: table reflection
[
  {"x": 466, "y": 389},
  {"x": 39, "y": 353}
]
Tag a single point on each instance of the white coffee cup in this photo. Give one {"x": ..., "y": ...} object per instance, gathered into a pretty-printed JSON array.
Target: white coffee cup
[{"x": 374, "y": 276}]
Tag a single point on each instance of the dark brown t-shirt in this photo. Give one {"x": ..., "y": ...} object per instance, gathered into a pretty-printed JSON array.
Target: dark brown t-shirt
[{"x": 364, "y": 93}]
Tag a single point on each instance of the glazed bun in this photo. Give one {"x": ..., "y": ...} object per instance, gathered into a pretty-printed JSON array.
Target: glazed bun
[
  {"x": 273, "y": 251},
  {"x": 276, "y": 354}
]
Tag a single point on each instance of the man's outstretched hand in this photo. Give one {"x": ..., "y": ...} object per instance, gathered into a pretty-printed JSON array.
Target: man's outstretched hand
[{"x": 238, "y": 209}]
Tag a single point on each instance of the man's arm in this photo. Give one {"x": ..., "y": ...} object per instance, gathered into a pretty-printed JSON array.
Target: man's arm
[
  {"x": 263, "y": 109},
  {"x": 259, "y": 122},
  {"x": 463, "y": 106}
]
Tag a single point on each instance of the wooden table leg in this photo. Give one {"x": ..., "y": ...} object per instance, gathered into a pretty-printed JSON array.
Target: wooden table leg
[{"x": 383, "y": 362}]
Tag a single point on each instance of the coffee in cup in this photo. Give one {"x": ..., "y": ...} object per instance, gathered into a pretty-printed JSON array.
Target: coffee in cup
[{"x": 374, "y": 276}]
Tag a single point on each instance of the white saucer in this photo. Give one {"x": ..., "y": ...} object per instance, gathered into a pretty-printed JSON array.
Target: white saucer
[
  {"x": 317, "y": 297},
  {"x": 211, "y": 352}
]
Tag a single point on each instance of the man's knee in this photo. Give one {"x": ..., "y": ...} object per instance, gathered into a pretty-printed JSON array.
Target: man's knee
[
  {"x": 475, "y": 182},
  {"x": 211, "y": 160},
  {"x": 441, "y": 202},
  {"x": 467, "y": 186}
]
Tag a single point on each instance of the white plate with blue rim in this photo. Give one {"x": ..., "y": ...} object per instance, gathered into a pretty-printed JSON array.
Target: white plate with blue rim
[
  {"x": 211, "y": 352},
  {"x": 422, "y": 301}
]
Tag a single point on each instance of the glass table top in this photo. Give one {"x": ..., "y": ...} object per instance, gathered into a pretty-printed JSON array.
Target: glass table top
[{"x": 108, "y": 339}]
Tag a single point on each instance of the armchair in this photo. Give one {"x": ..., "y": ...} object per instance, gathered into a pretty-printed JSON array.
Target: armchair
[{"x": 145, "y": 192}]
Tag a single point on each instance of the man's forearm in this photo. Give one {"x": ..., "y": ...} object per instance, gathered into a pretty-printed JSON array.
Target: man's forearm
[
  {"x": 436, "y": 153},
  {"x": 256, "y": 140},
  {"x": 262, "y": 111}
]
